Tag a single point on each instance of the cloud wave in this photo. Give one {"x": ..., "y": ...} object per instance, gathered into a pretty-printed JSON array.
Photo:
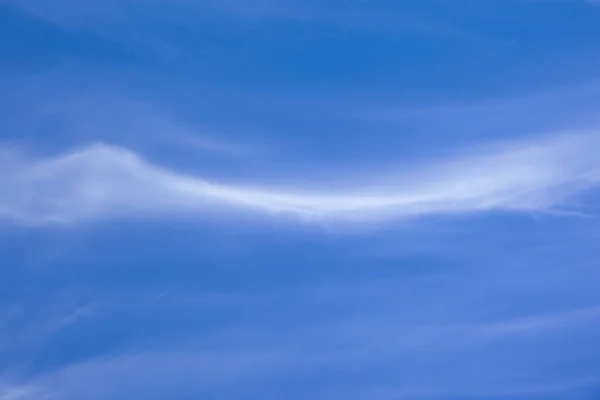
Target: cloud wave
[{"x": 103, "y": 181}]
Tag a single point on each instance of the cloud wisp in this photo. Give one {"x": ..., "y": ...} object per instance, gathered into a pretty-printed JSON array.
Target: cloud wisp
[
  {"x": 103, "y": 181},
  {"x": 187, "y": 369}
]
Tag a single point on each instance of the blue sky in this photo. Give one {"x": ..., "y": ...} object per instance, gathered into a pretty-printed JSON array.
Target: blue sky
[{"x": 299, "y": 199}]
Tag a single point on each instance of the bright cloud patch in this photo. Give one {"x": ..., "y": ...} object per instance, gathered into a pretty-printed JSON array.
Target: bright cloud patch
[{"x": 101, "y": 181}]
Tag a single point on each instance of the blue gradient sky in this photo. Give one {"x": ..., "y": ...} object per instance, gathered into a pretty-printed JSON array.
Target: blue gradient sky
[{"x": 299, "y": 199}]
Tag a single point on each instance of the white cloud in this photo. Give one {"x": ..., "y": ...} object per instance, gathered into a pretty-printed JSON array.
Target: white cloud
[{"x": 102, "y": 181}]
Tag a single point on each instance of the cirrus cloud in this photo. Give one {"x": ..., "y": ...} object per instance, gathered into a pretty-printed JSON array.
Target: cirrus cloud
[{"x": 103, "y": 181}]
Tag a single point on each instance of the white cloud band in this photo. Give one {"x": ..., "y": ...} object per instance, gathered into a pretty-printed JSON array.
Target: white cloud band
[{"x": 102, "y": 181}]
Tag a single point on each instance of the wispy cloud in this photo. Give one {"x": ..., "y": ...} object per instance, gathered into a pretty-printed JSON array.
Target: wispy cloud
[
  {"x": 106, "y": 17},
  {"x": 193, "y": 370},
  {"x": 572, "y": 105},
  {"x": 74, "y": 114},
  {"x": 8, "y": 392},
  {"x": 101, "y": 181}
]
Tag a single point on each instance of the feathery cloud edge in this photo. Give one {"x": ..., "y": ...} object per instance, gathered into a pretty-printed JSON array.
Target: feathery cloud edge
[{"x": 104, "y": 181}]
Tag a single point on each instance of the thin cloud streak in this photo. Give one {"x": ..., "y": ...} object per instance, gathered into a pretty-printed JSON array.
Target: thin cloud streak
[
  {"x": 120, "y": 373},
  {"x": 106, "y": 18},
  {"x": 103, "y": 181}
]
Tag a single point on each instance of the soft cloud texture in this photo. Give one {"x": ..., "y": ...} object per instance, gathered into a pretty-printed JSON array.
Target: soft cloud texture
[
  {"x": 101, "y": 181},
  {"x": 187, "y": 370},
  {"x": 299, "y": 199}
]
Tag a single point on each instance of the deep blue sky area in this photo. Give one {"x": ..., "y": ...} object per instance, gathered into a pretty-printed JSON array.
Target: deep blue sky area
[{"x": 299, "y": 199}]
